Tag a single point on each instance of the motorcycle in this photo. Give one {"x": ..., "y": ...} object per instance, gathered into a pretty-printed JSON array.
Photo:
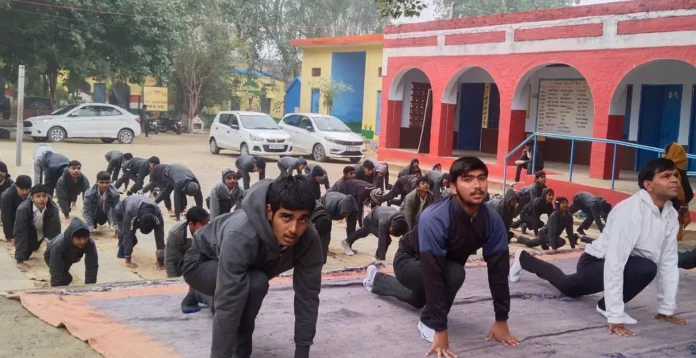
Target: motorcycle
[
  {"x": 166, "y": 124},
  {"x": 152, "y": 127}
]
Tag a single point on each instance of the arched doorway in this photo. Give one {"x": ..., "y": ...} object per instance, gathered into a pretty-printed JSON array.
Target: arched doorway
[
  {"x": 477, "y": 115},
  {"x": 556, "y": 98},
  {"x": 655, "y": 102},
  {"x": 412, "y": 87}
]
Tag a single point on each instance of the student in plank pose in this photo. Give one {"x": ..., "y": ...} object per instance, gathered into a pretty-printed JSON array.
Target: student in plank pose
[
  {"x": 288, "y": 165},
  {"x": 225, "y": 195},
  {"x": 67, "y": 249},
  {"x": 319, "y": 177},
  {"x": 37, "y": 219},
  {"x": 550, "y": 235},
  {"x": 71, "y": 184},
  {"x": 9, "y": 202},
  {"x": 100, "y": 202},
  {"x": 246, "y": 164},
  {"x": 594, "y": 207}
]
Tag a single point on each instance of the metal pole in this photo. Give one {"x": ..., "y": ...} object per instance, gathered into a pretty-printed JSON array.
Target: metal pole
[
  {"x": 20, "y": 115},
  {"x": 572, "y": 151},
  {"x": 534, "y": 155},
  {"x": 613, "y": 168}
]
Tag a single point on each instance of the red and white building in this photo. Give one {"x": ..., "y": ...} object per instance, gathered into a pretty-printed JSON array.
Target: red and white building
[{"x": 621, "y": 71}]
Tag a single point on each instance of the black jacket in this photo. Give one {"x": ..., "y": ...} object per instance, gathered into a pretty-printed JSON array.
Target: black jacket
[
  {"x": 411, "y": 206},
  {"x": 128, "y": 212},
  {"x": 24, "y": 229},
  {"x": 530, "y": 192},
  {"x": 245, "y": 163},
  {"x": 360, "y": 174},
  {"x": 54, "y": 165},
  {"x": 8, "y": 208},
  {"x": 316, "y": 187},
  {"x": 446, "y": 233},
  {"x": 138, "y": 168},
  {"x": 595, "y": 205},
  {"x": 538, "y": 161},
  {"x": 243, "y": 240},
  {"x": 502, "y": 207},
  {"x": 91, "y": 204},
  {"x": 553, "y": 229},
  {"x": 337, "y": 203},
  {"x": 358, "y": 189},
  {"x": 68, "y": 189},
  {"x": 6, "y": 184},
  {"x": 61, "y": 254},
  {"x": 435, "y": 178},
  {"x": 177, "y": 245},
  {"x": 177, "y": 177},
  {"x": 157, "y": 178},
  {"x": 409, "y": 170},
  {"x": 538, "y": 207},
  {"x": 288, "y": 165}
]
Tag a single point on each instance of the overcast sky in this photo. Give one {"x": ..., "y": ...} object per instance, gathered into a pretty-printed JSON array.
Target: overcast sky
[{"x": 428, "y": 13}]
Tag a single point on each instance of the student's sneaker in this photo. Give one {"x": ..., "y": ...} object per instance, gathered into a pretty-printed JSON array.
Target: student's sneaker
[
  {"x": 586, "y": 240},
  {"x": 516, "y": 268},
  {"x": 523, "y": 229},
  {"x": 120, "y": 254},
  {"x": 581, "y": 231},
  {"x": 626, "y": 318},
  {"x": 426, "y": 332},
  {"x": 346, "y": 248},
  {"x": 369, "y": 281},
  {"x": 190, "y": 304}
]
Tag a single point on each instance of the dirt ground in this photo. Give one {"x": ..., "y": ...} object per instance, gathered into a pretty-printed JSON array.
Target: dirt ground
[{"x": 24, "y": 335}]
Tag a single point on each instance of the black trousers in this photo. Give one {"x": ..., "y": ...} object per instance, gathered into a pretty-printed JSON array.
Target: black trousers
[
  {"x": 589, "y": 217},
  {"x": 408, "y": 285},
  {"x": 351, "y": 223},
  {"x": 522, "y": 201},
  {"x": 67, "y": 277},
  {"x": 530, "y": 221},
  {"x": 543, "y": 241},
  {"x": 125, "y": 178},
  {"x": 113, "y": 168},
  {"x": 100, "y": 218},
  {"x": 246, "y": 179},
  {"x": 687, "y": 260},
  {"x": 323, "y": 225},
  {"x": 589, "y": 276},
  {"x": 528, "y": 166},
  {"x": 29, "y": 246},
  {"x": 371, "y": 228},
  {"x": 203, "y": 279}
]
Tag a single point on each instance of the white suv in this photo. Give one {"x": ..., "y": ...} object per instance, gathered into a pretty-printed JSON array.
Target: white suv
[
  {"x": 249, "y": 133},
  {"x": 89, "y": 120},
  {"x": 323, "y": 137}
]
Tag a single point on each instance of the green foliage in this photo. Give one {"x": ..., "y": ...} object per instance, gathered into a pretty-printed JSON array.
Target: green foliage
[
  {"x": 331, "y": 91},
  {"x": 395, "y": 9},
  {"x": 467, "y": 8}
]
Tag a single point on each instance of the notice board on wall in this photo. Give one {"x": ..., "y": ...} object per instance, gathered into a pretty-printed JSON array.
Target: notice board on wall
[{"x": 565, "y": 107}]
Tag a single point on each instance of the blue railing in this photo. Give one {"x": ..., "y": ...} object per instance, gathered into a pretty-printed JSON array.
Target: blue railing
[{"x": 574, "y": 139}]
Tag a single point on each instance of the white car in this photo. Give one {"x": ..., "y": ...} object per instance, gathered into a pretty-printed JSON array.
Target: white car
[
  {"x": 323, "y": 136},
  {"x": 249, "y": 133},
  {"x": 88, "y": 120}
]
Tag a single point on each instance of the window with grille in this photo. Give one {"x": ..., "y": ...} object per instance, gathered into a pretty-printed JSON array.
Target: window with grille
[{"x": 316, "y": 72}]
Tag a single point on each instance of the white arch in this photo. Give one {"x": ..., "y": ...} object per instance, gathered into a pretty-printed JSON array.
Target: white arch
[
  {"x": 481, "y": 74},
  {"x": 396, "y": 89}
]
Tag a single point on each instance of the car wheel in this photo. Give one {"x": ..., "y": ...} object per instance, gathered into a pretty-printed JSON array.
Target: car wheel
[
  {"x": 214, "y": 149},
  {"x": 354, "y": 160},
  {"x": 125, "y": 136},
  {"x": 244, "y": 149},
  {"x": 56, "y": 134},
  {"x": 108, "y": 140},
  {"x": 318, "y": 153}
]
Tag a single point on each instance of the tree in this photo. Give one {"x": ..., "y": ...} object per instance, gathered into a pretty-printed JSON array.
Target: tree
[
  {"x": 468, "y": 8},
  {"x": 400, "y": 8},
  {"x": 331, "y": 91}
]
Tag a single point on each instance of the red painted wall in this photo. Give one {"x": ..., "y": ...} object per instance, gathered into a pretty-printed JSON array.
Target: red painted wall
[{"x": 560, "y": 32}]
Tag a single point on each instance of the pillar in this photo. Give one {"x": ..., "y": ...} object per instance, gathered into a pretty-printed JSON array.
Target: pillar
[
  {"x": 391, "y": 123},
  {"x": 609, "y": 127},
  {"x": 511, "y": 127},
  {"x": 442, "y": 129}
]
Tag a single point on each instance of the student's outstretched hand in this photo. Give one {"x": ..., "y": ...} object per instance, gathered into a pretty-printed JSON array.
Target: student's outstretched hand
[
  {"x": 501, "y": 333},
  {"x": 441, "y": 346},
  {"x": 671, "y": 319},
  {"x": 620, "y": 330}
]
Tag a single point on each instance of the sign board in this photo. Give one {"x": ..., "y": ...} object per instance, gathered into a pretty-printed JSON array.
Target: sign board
[
  {"x": 565, "y": 107},
  {"x": 156, "y": 99},
  {"x": 486, "y": 104}
]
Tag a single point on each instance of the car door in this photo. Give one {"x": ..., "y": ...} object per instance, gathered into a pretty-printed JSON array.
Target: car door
[
  {"x": 222, "y": 131},
  {"x": 109, "y": 122},
  {"x": 307, "y": 136},
  {"x": 81, "y": 121},
  {"x": 235, "y": 135},
  {"x": 291, "y": 126}
]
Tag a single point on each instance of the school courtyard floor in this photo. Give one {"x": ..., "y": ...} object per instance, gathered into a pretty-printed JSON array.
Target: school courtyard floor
[{"x": 111, "y": 301}]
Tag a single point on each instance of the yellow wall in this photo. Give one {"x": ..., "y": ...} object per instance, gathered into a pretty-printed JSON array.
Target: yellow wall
[
  {"x": 314, "y": 57},
  {"x": 275, "y": 91}
]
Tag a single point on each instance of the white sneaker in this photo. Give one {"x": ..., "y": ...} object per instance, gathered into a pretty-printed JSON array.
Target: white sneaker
[
  {"x": 346, "y": 248},
  {"x": 516, "y": 268},
  {"x": 626, "y": 318},
  {"x": 369, "y": 281},
  {"x": 426, "y": 332}
]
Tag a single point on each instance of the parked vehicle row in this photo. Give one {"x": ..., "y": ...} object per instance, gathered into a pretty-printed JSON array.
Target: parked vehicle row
[{"x": 321, "y": 136}]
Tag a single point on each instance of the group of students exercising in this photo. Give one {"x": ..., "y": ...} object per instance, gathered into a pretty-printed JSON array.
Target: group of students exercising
[{"x": 253, "y": 234}]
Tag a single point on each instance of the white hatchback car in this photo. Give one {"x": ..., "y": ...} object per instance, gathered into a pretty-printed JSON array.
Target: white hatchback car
[
  {"x": 323, "y": 137},
  {"x": 248, "y": 132},
  {"x": 88, "y": 120}
]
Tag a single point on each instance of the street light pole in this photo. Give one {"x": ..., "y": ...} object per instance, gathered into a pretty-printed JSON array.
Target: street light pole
[{"x": 20, "y": 115}]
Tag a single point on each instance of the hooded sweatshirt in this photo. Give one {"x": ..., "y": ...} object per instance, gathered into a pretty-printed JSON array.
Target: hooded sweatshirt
[
  {"x": 409, "y": 169},
  {"x": 243, "y": 240},
  {"x": 538, "y": 207},
  {"x": 360, "y": 174},
  {"x": 7, "y": 182},
  {"x": 596, "y": 205},
  {"x": 289, "y": 164},
  {"x": 114, "y": 156},
  {"x": 312, "y": 171},
  {"x": 25, "y": 231},
  {"x": 403, "y": 186},
  {"x": 502, "y": 207},
  {"x": 41, "y": 150},
  {"x": 54, "y": 166},
  {"x": 222, "y": 199},
  {"x": 177, "y": 177},
  {"x": 531, "y": 192},
  {"x": 128, "y": 212},
  {"x": 379, "y": 219},
  {"x": 178, "y": 243},
  {"x": 68, "y": 189},
  {"x": 157, "y": 179},
  {"x": 637, "y": 227},
  {"x": 9, "y": 202},
  {"x": 61, "y": 254},
  {"x": 337, "y": 203},
  {"x": 435, "y": 183},
  {"x": 245, "y": 163},
  {"x": 558, "y": 222},
  {"x": 139, "y": 167},
  {"x": 92, "y": 204},
  {"x": 381, "y": 168},
  {"x": 360, "y": 190}
]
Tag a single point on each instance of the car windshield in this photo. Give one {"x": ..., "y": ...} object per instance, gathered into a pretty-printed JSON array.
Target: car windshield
[
  {"x": 64, "y": 110},
  {"x": 330, "y": 124},
  {"x": 258, "y": 121}
]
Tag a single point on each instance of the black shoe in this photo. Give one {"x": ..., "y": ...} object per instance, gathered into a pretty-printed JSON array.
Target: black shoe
[
  {"x": 545, "y": 246},
  {"x": 586, "y": 240},
  {"x": 581, "y": 231},
  {"x": 523, "y": 229},
  {"x": 190, "y": 304}
]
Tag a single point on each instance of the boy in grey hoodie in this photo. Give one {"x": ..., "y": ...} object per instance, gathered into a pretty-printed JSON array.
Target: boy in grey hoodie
[
  {"x": 225, "y": 195},
  {"x": 71, "y": 184},
  {"x": 246, "y": 164},
  {"x": 100, "y": 202},
  {"x": 67, "y": 249},
  {"x": 181, "y": 181},
  {"x": 287, "y": 165},
  {"x": 134, "y": 213},
  {"x": 235, "y": 256}
]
